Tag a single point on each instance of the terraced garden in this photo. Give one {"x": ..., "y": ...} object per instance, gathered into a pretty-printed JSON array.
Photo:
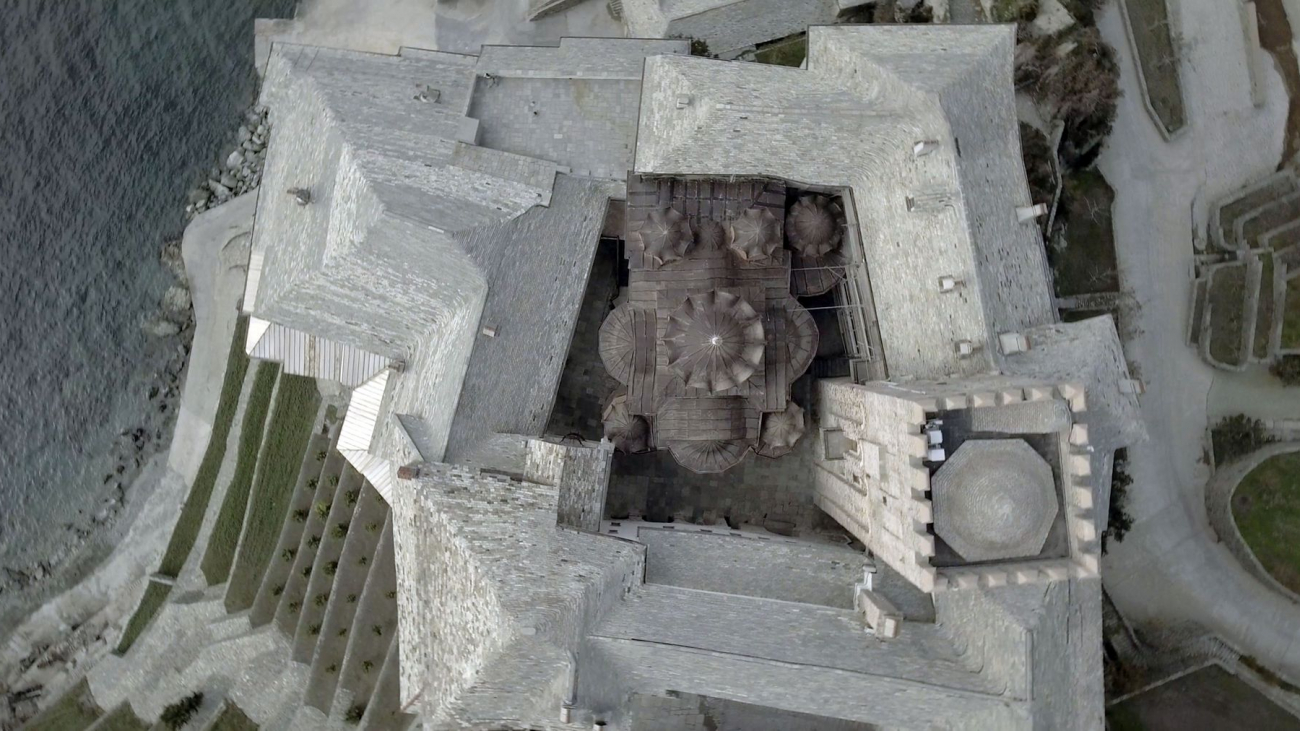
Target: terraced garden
[
  {"x": 1291, "y": 315},
  {"x": 1158, "y": 54}
]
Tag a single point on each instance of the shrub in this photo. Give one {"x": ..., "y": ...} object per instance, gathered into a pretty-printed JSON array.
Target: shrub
[
  {"x": 278, "y": 590},
  {"x": 372, "y": 527},
  {"x": 312, "y": 483},
  {"x": 334, "y": 480},
  {"x": 1039, "y": 163},
  {"x": 313, "y": 630},
  {"x": 378, "y": 630},
  {"x": 179, "y": 713},
  {"x": 363, "y": 560},
  {"x": 351, "y": 496},
  {"x": 343, "y": 632},
  {"x": 331, "y": 568},
  {"x": 340, "y": 530},
  {"x": 1119, "y": 521},
  {"x": 313, "y": 541},
  {"x": 294, "y": 607},
  {"x": 288, "y": 554},
  {"x": 306, "y": 571},
  {"x": 352, "y": 598},
  {"x": 321, "y": 600},
  {"x": 1074, "y": 76},
  {"x": 323, "y": 510},
  {"x": 367, "y": 666},
  {"x": 1235, "y": 437},
  {"x": 354, "y": 714},
  {"x": 331, "y": 669},
  {"x": 1287, "y": 369},
  {"x": 392, "y": 594},
  {"x": 1014, "y": 11},
  {"x": 300, "y": 516},
  {"x": 321, "y": 455}
]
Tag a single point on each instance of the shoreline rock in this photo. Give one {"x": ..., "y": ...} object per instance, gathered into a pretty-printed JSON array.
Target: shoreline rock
[{"x": 241, "y": 169}]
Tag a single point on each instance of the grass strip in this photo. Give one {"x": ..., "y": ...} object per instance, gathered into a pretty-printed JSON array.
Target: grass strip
[
  {"x": 154, "y": 597},
  {"x": 233, "y": 719},
  {"x": 74, "y": 711},
  {"x": 122, "y": 718},
  {"x": 291, "y": 426},
  {"x": 230, "y": 521},
  {"x": 196, "y": 503}
]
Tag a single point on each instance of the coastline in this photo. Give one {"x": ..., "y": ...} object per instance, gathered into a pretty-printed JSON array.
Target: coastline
[{"x": 76, "y": 613}]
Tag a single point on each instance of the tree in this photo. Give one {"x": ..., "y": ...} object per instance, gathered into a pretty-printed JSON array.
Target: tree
[
  {"x": 1287, "y": 369},
  {"x": 1074, "y": 77},
  {"x": 1235, "y": 437},
  {"x": 179, "y": 713},
  {"x": 1118, "y": 522}
]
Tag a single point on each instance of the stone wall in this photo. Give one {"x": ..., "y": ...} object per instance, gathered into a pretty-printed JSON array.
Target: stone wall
[
  {"x": 579, "y": 472},
  {"x": 732, "y": 26}
]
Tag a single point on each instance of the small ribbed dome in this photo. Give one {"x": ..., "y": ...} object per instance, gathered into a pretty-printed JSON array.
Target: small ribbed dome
[
  {"x": 618, "y": 342},
  {"x": 664, "y": 236},
  {"x": 755, "y": 235},
  {"x": 628, "y": 432},
  {"x": 710, "y": 235},
  {"x": 715, "y": 341},
  {"x": 781, "y": 430},
  {"x": 815, "y": 225}
]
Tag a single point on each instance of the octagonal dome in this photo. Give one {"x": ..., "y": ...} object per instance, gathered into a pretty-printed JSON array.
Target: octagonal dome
[
  {"x": 815, "y": 225},
  {"x": 994, "y": 499}
]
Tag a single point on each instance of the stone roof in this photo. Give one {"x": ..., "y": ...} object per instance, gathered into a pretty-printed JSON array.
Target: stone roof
[
  {"x": 852, "y": 119},
  {"x": 994, "y": 499}
]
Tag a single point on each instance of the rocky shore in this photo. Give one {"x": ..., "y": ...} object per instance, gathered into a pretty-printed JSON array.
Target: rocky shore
[
  {"x": 241, "y": 170},
  {"x": 131, "y": 475}
]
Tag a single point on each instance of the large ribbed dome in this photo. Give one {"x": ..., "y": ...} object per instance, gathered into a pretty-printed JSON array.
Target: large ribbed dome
[
  {"x": 714, "y": 340},
  {"x": 994, "y": 499},
  {"x": 618, "y": 343},
  {"x": 663, "y": 236},
  {"x": 755, "y": 235},
  {"x": 815, "y": 225}
]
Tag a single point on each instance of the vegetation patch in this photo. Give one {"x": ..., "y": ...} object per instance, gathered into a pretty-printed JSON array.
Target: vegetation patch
[
  {"x": 122, "y": 718},
  {"x": 75, "y": 710},
  {"x": 785, "y": 52},
  {"x": 1287, "y": 370},
  {"x": 1266, "y": 508},
  {"x": 196, "y": 503},
  {"x": 230, "y": 521},
  {"x": 1118, "y": 522},
  {"x": 292, "y": 423},
  {"x": 1085, "y": 261},
  {"x": 177, "y": 714},
  {"x": 1228, "y": 314},
  {"x": 1235, "y": 437},
  {"x": 233, "y": 719},
  {"x": 1209, "y": 698},
  {"x": 1159, "y": 53},
  {"x": 1291, "y": 315},
  {"x": 1264, "y": 310},
  {"x": 155, "y": 595}
]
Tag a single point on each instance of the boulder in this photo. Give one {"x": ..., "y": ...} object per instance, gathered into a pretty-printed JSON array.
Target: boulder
[
  {"x": 235, "y": 159},
  {"x": 161, "y": 328},
  {"x": 176, "y": 300}
]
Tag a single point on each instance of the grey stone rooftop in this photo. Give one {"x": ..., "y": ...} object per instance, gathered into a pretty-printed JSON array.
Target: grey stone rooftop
[{"x": 852, "y": 119}]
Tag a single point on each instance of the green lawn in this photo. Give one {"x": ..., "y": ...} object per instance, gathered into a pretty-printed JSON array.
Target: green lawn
[
  {"x": 123, "y": 718},
  {"x": 1087, "y": 262},
  {"x": 1266, "y": 508},
  {"x": 1291, "y": 315},
  {"x": 1227, "y": 314},
  {"x": 1264, "y": 310},
  {"x": 292, "y": 422},
  {"x": 154, "y": 597},
  {"x": 233, "y": 719},
  {"x": 196, "y": 504},
  {"x": 789, "y": 52},
  {"x": 73, "y": 712},
  {"x": 230, "y": 521}
]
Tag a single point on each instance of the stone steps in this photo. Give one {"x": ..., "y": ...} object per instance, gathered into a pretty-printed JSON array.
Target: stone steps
[
  {"x": 277, "y": 572},
  {"x": 320, "y": 585},
  {"x": 383, "y": 713},
  {"x": 295, "y": 592},
  {"x": 377, "y": 607},
  {"x": 362, "y": 541}
]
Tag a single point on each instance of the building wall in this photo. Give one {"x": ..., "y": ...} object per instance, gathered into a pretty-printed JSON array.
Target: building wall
[
  {"x": 580, "y": 473},
  {"x": 732, "y": 26}
]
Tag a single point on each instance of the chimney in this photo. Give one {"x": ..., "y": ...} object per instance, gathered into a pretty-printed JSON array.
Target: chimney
[
  {"x": 924, "y": 147},
  {"x": 1029, "y": 213}
]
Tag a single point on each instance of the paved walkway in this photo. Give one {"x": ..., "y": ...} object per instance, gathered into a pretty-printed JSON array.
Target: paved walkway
[{"x": 1170, "y": 569}]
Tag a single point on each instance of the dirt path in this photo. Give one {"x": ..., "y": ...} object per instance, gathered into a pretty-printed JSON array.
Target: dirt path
[{"x": 1275, "y": 36}]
